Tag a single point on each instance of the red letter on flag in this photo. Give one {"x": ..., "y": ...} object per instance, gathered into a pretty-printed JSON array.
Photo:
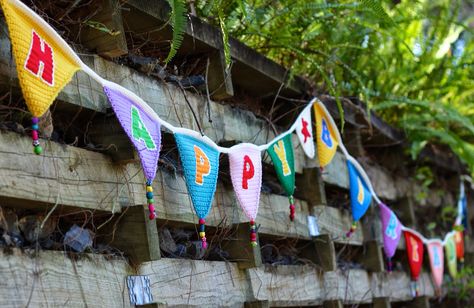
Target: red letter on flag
[
  {"x": 248, "y": 172},
  {"x": 40, "y": 59}
]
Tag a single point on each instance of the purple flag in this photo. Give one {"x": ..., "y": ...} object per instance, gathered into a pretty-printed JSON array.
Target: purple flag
[
  {"x": 391, "y": 229},
  {"x": 141, "y": 128}
]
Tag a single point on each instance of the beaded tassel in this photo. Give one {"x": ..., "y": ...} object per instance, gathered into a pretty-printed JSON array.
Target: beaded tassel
[
  {"x": 253, "y": 234},
  {"x": 389, "y": 265},
  {"x": 150, "y": 200},
  {"x": 35, "y": 136},
  {"x": 352, "y": 229},
  {"x": 414, "y": 288},
  {"x": 202, "y": 232},
  {"x": 292, "y": 207}
]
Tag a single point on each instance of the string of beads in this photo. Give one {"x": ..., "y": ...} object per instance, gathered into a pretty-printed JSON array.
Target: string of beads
[
  {"x": 202, "y": 232},
  {"x": 150, "y": 200},
  {"x": 35, "y": 136},
  {"x": 253, "y": 234},
  {"x": 352, "y": 229},
  {"x": 292, "y": 207}
]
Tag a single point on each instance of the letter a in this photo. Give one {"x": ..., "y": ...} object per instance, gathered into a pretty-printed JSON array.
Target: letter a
[
  {"x": 40, "y": 59},
  {"x": 203, "y": 167},
  {"x": 279, "y": 149},
  {"x": 248, "y": 172},
  {"x": 139, "y": 131}
]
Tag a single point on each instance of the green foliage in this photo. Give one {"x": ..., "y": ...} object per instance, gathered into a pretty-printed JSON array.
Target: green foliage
[
  {"x": 412, "y": 61},
  {"x": 178, "y": 22},
  {"x": 462, "y": 288}
]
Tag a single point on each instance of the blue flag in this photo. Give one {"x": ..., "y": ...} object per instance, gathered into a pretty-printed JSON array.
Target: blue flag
[
  {"x": 201, "y": 165},
  {"x": 360, "y": 193}
]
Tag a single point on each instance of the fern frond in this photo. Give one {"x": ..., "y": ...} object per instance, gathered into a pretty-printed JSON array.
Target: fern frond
[
  {"x": 225, "y": 37},
  {"x": 178, "y": 23},
  {"x": 377, "y": 9}
]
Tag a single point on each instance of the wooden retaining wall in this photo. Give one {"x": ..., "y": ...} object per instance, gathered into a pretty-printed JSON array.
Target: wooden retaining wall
[{"x": 110, "y": 183}]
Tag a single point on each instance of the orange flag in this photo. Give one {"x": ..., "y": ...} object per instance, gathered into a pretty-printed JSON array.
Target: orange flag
[
  {"x": 327, "y": 138},
  {"x": 45, "y": 63}
]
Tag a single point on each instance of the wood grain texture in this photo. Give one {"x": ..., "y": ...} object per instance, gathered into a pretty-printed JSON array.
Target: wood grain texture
[
  {"x": 287, "y": 285},
  {"x": 196, "y": 283},
  {"x": 52, "y": 279},
  {"x": 65, "y": 175}
]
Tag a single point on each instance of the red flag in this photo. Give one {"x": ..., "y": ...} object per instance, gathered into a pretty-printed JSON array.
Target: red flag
[{"x": 414, "y": 246}]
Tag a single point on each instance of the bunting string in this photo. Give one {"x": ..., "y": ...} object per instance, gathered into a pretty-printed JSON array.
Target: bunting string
[{"x": 46, "y": 63}]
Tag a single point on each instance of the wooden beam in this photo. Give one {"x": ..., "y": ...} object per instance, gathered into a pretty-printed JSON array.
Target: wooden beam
[
  {"x": 219, "y": 77},
  {"x": 420, "y": 302},
  {"x": 52, "y": 278},
  {"x": 325, "y": 252},
  {"x": 337, "y": 303},
  {"x": 372, "y": 258},
  {"x": 65, "y": 175},
  {"x": 135, "y": 234},
  {"x": 180, "y": 282},
  {"x": 381, "y": 302},
  {"x": 104, "y": 32},
  {"x": 239, "y": 247}
]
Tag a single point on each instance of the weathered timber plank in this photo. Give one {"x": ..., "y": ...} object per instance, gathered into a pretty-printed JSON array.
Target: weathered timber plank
[
  {"x": 52, "y": 279},
  {"x": 167, "y": 100},
  {"x": 109, "y": 44},
  {"x": 174, "y": 203},
  {"x": 352, "y": 286},
  {"x": 287, "y": 285},
  {"x": 396, "y": 286},
  {"x": 336, "y": 223},
  {"x": 196, "y": 283},
  {"x": 65, "y": 175}
]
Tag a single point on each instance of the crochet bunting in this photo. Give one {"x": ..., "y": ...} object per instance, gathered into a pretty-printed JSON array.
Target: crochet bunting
[
  {"x": 245, "y": 165},
  {"x": 435, "y": 253},
  {"x": 140, "y": 127},
  {"x": 304, "y": 130},
  {"x": 201, "y": 165},
  {"x": 359, "y": 191},
  {"x": 45, "y": 63},
  {"x": 327, "y": 135}
]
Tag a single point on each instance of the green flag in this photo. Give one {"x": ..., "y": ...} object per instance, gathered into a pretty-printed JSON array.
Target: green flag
[
  {"x": 281, "y": 152},
  {"x": 451, "y": 256}
]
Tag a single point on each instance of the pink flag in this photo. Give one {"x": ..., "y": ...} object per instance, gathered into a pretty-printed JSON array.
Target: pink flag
[
  {"x": 435, "y": 252},
  {"x": 245, "y": 162}
]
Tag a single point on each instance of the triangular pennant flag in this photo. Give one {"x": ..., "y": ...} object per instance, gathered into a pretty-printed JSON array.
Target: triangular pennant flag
[
  {"x": 436, "y": 255},
  {"x": 414, "y": 246},
  {"x": 392, "y": 231},
  {"x": 44, "y": 62},
  {"x": 459, "y": 238},
  {"x": 200, "y": 160},
  {"x": 245, "y": 163},
  {"x": 450, "y": 247},
  {"x": 281, "y": 153},
  {"x": 327, "y": 135},
  {"x": 141, "y": 128},
  {"x": 304, "y": 130},
  {"x": 359, "y": 192}
]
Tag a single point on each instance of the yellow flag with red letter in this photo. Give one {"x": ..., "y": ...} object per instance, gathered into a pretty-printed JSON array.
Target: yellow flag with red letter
[
  {"x": 45, "y": 63},
  {"x": 327, "y": 136}
]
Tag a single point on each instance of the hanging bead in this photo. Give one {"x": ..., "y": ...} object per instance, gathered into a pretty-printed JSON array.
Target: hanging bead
[
  {"x": 37, "y": 149},
  {"x": 292, "y": 207},
  {"x": 389, "y": 265},
  {"x": 150, "y": 200},
  {"x": 352, "y": 229},
  {"x": 253, "y": 234},
  {"x": 202, "y": 233}
]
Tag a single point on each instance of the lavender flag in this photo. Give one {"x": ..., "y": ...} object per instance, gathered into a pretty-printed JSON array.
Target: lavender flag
[
  {"x": 141, "y": 128},
  {"x": 391, "y": 229}
]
